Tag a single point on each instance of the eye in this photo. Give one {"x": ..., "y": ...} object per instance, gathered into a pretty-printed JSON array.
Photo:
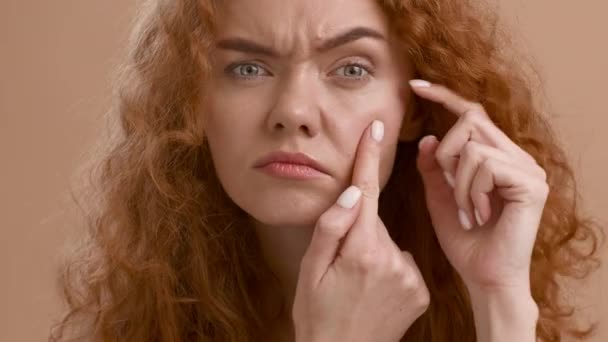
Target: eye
[
  {"x": 246, "y": 70},
  {"x": 355, "y": 70}
]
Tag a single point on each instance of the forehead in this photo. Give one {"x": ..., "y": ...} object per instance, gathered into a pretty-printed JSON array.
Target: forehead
[{"x": 289, "y": 22}]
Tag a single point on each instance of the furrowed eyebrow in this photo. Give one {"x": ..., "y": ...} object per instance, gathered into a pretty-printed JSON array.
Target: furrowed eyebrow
[{"x": 248, "y": 46}]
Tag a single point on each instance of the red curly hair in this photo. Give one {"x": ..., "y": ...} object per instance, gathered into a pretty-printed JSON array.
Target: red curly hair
[{"x": 163, "y": 259}]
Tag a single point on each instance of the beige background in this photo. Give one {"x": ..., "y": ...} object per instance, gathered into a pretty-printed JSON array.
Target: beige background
[{"x": 55, "y": 59}]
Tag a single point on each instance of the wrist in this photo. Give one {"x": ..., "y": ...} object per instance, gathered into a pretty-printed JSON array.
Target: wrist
[{"x": 504, "y": 314}]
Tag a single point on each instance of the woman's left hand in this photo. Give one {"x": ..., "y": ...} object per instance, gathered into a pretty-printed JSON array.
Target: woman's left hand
[{"x": 484, "y": 193}]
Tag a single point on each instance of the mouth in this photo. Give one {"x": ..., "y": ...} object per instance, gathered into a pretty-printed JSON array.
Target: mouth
[{"x": 288, "y": 165}]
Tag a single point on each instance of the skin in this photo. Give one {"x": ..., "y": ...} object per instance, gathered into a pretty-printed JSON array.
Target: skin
[
  {"x": 508, "y": 188},
  {"x": 302, "y": 101},
  {"x": 306, "y": 101}
]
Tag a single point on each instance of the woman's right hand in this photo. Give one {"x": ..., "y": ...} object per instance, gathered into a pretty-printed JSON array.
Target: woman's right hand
[{"x": 355, "y": 284}]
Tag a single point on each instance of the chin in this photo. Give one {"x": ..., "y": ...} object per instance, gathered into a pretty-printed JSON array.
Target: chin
[
  {"x": 285, "y": 218},
  {"x": 295, "y": 209}
]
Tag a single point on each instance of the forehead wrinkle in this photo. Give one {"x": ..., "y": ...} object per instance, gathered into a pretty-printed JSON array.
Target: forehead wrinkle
[{"x": 303, "y": 25}]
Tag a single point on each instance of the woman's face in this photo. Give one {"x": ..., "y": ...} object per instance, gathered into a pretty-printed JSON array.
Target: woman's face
[{"x": 282, "y": 82}]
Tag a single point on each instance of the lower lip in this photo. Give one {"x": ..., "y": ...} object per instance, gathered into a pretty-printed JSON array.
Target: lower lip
[{"x": 291, "y": 171}]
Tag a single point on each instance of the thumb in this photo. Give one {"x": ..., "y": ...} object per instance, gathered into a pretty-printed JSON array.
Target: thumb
[{"x": 330, "y": 230}]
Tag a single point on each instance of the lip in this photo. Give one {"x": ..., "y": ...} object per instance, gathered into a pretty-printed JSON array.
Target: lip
[{"x": 289, "y": 159}]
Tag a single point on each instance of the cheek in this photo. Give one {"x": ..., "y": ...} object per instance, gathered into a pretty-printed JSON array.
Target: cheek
[
  {"x": 385, "y": 105},
  {"x": 229, "y": 119},
  {"x": 227, "y": 132},
  {"x": 383, "y": 101}
]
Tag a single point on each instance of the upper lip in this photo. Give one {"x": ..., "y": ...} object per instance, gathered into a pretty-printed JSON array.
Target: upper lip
[{"x": 288, "y": 157}]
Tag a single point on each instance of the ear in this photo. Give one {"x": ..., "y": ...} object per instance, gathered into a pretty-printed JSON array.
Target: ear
[{"x": 413, "y": 123}]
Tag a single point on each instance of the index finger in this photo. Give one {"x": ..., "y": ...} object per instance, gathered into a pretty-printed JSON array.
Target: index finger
[
  {"x": 364, "y": 233},
  {"x": 487, "y": 131}
]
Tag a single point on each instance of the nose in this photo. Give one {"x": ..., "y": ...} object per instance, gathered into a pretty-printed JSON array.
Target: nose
[{"x": 296, "y": 110}]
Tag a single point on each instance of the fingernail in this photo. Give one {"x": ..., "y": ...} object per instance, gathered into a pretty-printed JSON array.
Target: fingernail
[
  {"x": 349, "y": 197},
  {"x": 449, "y": 178},
  {"x": 425, "y": 141},
  {"x": 464, "y": 220},
  {"x": 420, "y": 83},
  {"x": 378, "y": 130},
  {"x": 478, "y": 217}
]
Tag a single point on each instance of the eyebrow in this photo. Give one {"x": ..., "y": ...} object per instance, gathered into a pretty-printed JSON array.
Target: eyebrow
[{"x": 248, "y": 46}]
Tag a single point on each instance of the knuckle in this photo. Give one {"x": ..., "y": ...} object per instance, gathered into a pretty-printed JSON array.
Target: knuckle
[
  {"x": 442, "y": 157},
  {"x": 537, "y": 191},
  {"x": 472, "y": 114},
  {"x": 542, "y": 190},
  {"x": 475, "y": 115},
  {"x": 412, "y": 283},
  {"x": 478, "y": 109},
  {"x": 470, "y": 151},
  {"x": 367, "y": 261},
  {"x": 397, "y": 268},
  {"x": 469, "y": 116},
  {"x": 407, "y": 259},
  {"x": 407, "y": 256},
  {"x": 527, "y": 156},
  {"x": 471, "y": 154},
  {"x": 423, "y": 300},
  {"x": 409, "y": 281},
  {"x": 488, "y": 165},
  {"x": 477, "y": 106},
  {"x": 542, "y": 173},
  {"x": 425, "y": 296}
]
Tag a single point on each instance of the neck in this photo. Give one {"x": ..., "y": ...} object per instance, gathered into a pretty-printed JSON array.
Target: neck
[{"x": 283, "y": 249}]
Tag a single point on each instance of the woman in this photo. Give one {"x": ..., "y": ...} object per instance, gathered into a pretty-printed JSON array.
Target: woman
[{"x": 327, "y": 171}]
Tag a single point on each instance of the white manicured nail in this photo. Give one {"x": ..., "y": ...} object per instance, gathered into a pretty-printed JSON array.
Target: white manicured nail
[
  {"x": 449, "y": 178},
  {"x": 349, "y": 197},
  {"x": 478, "y": 217},
  {"x": 420, "y": 83},
  {"x": 378, "y": 130},
  {"x": 464, "y": 220}
]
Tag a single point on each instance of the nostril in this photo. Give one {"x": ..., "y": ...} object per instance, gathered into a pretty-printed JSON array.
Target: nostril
[{"x": 278, "y": 127}]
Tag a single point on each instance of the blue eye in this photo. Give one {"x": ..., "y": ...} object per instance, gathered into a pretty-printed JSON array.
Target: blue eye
[
  {"x": 354, "y": 70},
  {"x": 246, "y": 70}
]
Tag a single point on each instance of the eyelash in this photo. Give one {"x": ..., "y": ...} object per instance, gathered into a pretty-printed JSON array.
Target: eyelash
[{"x": 368, "y": 69}]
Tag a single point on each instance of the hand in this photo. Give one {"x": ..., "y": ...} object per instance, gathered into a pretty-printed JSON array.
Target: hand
[
  {"x": 365, "y": 289},
  {"x": 494, "y": 183}
]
